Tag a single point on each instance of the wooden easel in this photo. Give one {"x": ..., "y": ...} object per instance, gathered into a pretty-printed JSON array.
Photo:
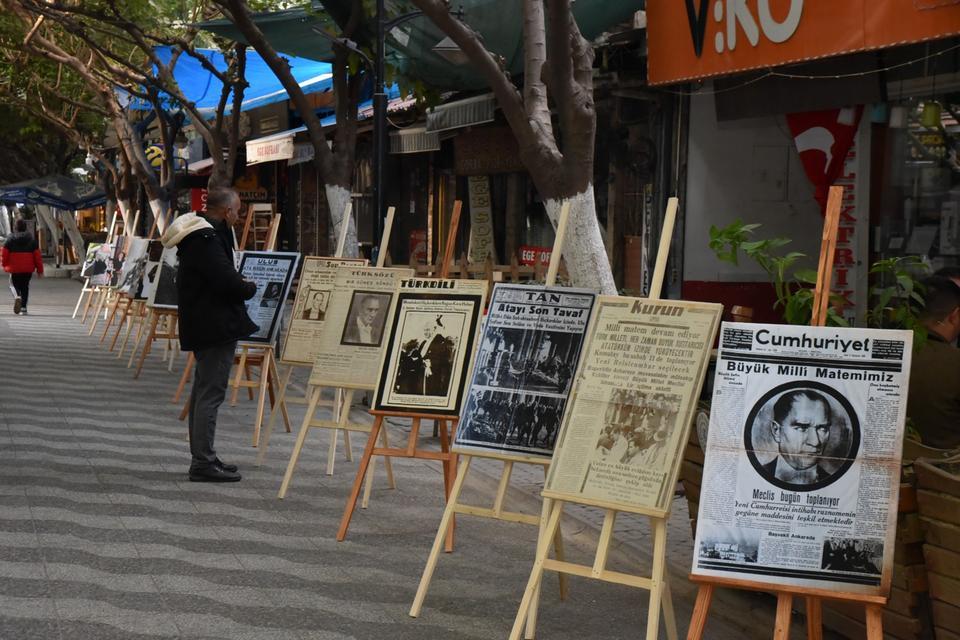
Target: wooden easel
[
  {"x": 135, "y": 314},
  {"x": 496, "y": 512},
  {"x": 121, "y": 303},
  {"x": 284, "y": 397},
  {"x": 873, "y": 603},
  {"x": 341, "y": 404},
  {"x": 657, "y": 583},
  {"x": 445, "y": 424},
  {"x": 163, "y": 326},
  {"x": 262, "y": 233},
  {"x": 262, "y": 356}
]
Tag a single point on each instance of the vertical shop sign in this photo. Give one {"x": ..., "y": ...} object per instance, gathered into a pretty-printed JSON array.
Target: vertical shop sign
[{"x": 481, "y": 219}]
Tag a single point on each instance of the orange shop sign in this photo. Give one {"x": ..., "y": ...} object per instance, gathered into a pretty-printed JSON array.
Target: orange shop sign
[{"x": 693, "y": 39}]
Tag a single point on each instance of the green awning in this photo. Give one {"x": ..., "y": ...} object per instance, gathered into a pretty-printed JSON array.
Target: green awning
[{"x": 411, "y": 44}]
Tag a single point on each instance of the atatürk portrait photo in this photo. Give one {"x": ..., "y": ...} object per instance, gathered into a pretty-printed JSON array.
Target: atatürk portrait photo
[
  {"x": 802, "y": 436},
  {"x": 366, "y": 318},
  {"x": 315, "y": 305},
  {"x": 271, "y": 294}
]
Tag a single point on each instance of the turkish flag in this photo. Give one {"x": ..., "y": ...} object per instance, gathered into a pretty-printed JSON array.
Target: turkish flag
[{"x": 823, "y": 139}]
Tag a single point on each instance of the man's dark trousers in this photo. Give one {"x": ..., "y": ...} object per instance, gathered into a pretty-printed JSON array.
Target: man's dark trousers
[{"x": 210, "y": 381}]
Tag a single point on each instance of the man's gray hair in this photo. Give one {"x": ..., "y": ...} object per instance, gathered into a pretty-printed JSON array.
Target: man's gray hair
[{"x": 221, "y": 197}]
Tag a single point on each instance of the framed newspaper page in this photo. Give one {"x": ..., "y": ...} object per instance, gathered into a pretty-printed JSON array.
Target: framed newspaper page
[
  {"x": 632, "y": 404},
  {"x": 163, "y": 292},
  {"x": 272, "y": 272},
  {"x": 134, "y": 266},
  {"x": 353, "y": 337},
  {"x": 523, "y": 370},
  {"x": 802, "y": 470},
  {"x": 311, "y": 306},
  {"x": 430, "y": 345}
]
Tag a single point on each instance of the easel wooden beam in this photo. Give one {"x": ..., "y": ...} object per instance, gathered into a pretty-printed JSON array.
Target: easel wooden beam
[
  {"x": 448, "y": 459},
  {"x": 496, "y": 512},
  {"x": 657, "y": 583},
  {"x": 813, "y": 596}
]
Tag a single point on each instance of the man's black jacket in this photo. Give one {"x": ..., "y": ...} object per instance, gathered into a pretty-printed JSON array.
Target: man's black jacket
[{"x": 211, "y": 294}]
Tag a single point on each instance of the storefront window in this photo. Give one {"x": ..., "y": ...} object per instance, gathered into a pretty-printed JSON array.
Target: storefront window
[{"x": 920, "y": 194}]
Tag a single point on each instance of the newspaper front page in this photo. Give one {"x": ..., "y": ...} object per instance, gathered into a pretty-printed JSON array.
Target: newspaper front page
[
  {"x": 310, "y": 308},
  {"x": 432, "y": 332},
  {"x": 353, "y": 337},
  {"x": 272, "y": 272},
  {"x": 633, "y": 402},
  {"x": 802, "y": 470},
  {"x": 525, "y": 364}
]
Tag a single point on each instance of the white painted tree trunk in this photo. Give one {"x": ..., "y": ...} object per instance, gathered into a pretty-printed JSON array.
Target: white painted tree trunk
[
  {"x": 159, "y": 209},
  {"x": 337, "y": 199},
  {"x": 583, "y": 249}
]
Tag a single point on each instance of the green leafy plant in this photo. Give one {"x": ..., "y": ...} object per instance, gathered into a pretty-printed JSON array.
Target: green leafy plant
[
  {"x": 897, "y": 296},
  {"x": 793, "y": 284}
]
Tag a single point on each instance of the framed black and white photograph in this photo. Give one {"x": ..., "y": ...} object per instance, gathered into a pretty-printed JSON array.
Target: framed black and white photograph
[
  {"x": 163, "y": 294},
  {"x": 272, "y": 272},
  {"x": 432, "y": 333},
  {"x": 366, "y": 319},
  {"x": 524, "y": 367},
  {"x": 802, "y": 436},
  {"x": 151, "y": 270},
  {"x": 134, "y": 266},
  {"x": 314, "y": 307}
]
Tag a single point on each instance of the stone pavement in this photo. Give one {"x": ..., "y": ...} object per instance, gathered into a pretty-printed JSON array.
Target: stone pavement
[{"x": 102, "y": 536}]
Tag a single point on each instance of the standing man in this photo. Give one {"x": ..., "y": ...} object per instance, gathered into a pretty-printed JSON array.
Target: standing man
[
  {"x": 933, "y": 402},
  {"x": 212, "y": 318},
  {"x": 20, "y": 257}
]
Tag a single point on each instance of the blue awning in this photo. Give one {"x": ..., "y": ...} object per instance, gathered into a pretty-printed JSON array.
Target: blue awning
[
  {"x": 59, "y": 192},
  {"x": 203, "y": 88}
]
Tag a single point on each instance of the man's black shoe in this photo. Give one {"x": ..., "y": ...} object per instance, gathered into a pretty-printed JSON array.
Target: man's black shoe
[
  {"x": 213, "y": 473},
  {"x": 227, "y": 467}
]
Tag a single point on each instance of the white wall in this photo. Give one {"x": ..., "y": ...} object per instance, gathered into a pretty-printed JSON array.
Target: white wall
[{"x": 746, "y": 169}]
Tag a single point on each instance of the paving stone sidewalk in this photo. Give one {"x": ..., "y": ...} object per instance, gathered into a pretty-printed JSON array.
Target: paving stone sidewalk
[{"x": 102, "y": 536}]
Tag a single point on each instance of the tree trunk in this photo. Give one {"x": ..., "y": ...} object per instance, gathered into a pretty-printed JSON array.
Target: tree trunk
[
  {"x": 159, "y": 208},
  {"x": 583, "y": 249},
  {"x": 337, "y": 199}
]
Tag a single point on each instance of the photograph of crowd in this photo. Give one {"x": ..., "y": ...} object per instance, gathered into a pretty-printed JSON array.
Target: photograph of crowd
[
  {"x": 524, "y": 421},
  {"x": 741, "y": 551},
  {"x": 636, "y": 426},
  {"x": 856, "y": 555},
  {"x": 527, "y": 359}
]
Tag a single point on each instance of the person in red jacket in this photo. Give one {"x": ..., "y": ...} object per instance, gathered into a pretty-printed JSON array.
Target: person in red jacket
[{"x": 21, "y": 257}]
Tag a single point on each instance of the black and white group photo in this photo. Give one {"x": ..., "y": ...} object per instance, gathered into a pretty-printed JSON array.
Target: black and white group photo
[
  {"x": 856, "y": 555},
  {"x": 428, "y": 351},
  {"x": 366, "y": 319},
  {"x": 529, "y": 359},
  {"x": 637, "y": 426},
  {"x": 525, "y": 421}
]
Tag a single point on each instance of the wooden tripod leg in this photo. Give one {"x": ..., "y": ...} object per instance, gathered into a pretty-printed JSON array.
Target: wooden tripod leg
[
  {"x": 298, "y": 445},
  {"x": 874, "y": 622},
  {"x": 347, "y": 447},
  {"x": 781, "y": 629},
  {"x": 449, "y": 471},
  {"x": 248, "y": 377},
  {"x": 124, "y": 319},
  {"x": 698, "y": 621},
  {"x": 262, "y": 395},
  {"x": 76, "y": 309},
  {"x": 814, "y": 618},
  {"x": 135, "y": 319},
  {"x": 438, "y": 540},
  {"x": 536, "y": 575},
  {"x": 659, "y": 529},
  {"x": 669, "y": 614},
  {"x": 335, "y": 435},
  {"x": 89, "y": 304},
  {"x": 113, "y": 314},
  {"x": 281, "y": 397},
  {"x": 241, "y": 366},
  {"x": 185, "y": 378},
  {"x": 101, "y": 300},
  {"x": 361, "y": 472},
  {"x": 146, "y": 345},
  {"x": 387, "y": 464}
]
